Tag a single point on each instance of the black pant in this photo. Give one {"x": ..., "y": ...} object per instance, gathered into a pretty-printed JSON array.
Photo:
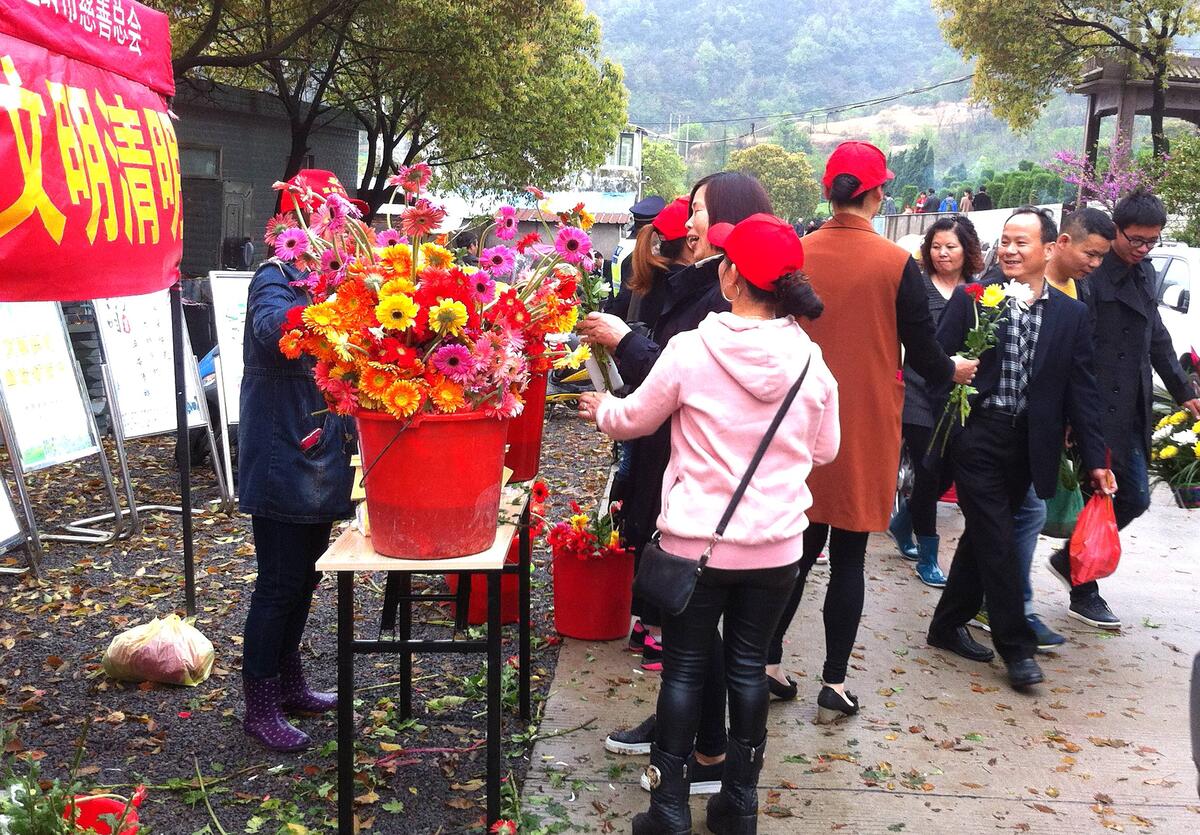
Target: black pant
[
  {"x": 644, "y": 610},
  {"x": 843, "y": 598},
  {"x": 990, "y": 459},
  {"x": 750, "y": 602},
  {"x": 286, "y": 553},
  {"x": 928, "y": 484}
]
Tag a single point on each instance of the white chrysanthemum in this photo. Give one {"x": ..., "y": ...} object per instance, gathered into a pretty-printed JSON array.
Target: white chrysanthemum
[
  {"x": 1161, "y": 434},
  {"x": 1019, "y": 292},
  {"x": 1187, "y": 437}
]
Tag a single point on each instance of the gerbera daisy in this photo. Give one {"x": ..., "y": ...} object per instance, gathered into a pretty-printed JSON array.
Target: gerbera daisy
[
  {"x": 506, "y": 223},
  {"x": 397, "y": 259},
  {"x": 483, "y": 287},
  {"x": 333, "y": 265},
  {"x": 447, "y": 317},
  {"x": 436, "y": 256},
  {"x": 375, "y": 380},
  {"x": 322, "y": 317},
  {"x": 402, "y": 398},
  {"x": 454, "y": 361},
  {"x": 421, "y": 219},
  {"x": 497, "y": 260},
  {"x": 447, "y": 396},
  {"x": 277, "y": 225},
  {"x": 396, "y": 286},
  {"x": 572, "y": 244},
  {"x": 387, "y": 237},
  {"x": 539, "y": 492},
  {"x": 396, "y": 313},
  {"x": 290, "y": 243},
  {"x": 528, "y": 241},
  {"x": 536, "y": 192},
  {"x": 290, "y": 344}
]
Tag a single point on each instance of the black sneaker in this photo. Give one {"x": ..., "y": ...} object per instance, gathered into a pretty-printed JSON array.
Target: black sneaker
[
  {"x": 1060, "y": 567},
  {"x": 632, "y": 741},
  {"x": 702, "y": 779},
  {"x": 1047, "y": 638},
  {"x": 1094, "y": 611}
]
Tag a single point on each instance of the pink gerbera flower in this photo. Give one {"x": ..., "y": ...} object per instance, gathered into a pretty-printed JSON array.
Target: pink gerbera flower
[
  {"x": 387, "y": 237},
  {"x": 412, "y": 178},
  {"x": 421, "y": 219},
  {"x": 333, "y": 266},
  {"x": 277, "y": 225},
  {"x": 483, "y": 287},
  {"x": 572, "y": 244},
  {"x": 497, "y": 260},
  {"x": 291, "y": 244},
  {"x": 454, "y": 361},
  {"x": 506, "y": 223}
]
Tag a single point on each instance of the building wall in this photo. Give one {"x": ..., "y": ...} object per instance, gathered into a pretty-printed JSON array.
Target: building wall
[{"x": 251, "y": 132}]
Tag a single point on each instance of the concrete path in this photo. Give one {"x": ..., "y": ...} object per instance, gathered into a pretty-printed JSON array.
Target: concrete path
[{"x": 941, "y": 745}]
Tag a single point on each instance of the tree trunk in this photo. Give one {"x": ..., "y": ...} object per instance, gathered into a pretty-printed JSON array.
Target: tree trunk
[{"x": 1159, "y": 106}]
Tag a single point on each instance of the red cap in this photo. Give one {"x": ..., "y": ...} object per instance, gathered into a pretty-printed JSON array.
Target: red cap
[
  {"x": 671, "y": 222},
  {"x": 322, "y": 183},
  {"x": 860, "y": 159},
  {"x": 762, "y": 247}
]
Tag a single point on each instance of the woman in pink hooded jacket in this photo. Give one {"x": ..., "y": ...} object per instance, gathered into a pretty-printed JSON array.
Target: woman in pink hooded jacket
[{"x": 720, "y": 386}]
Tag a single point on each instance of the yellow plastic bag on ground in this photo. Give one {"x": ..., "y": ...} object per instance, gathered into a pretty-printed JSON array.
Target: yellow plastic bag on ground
[{"x": 166, "y": 650}]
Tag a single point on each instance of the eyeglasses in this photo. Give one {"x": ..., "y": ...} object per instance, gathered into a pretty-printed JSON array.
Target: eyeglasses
[{"x": 1138, "y": 242}]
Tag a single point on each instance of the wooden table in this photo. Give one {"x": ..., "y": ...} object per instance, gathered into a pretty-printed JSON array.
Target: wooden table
[{"x": 351, "y": 552}]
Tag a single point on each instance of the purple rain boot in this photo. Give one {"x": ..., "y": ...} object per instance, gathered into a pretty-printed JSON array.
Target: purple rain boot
[
  {"x": 265, "y": 720},
  {"x": 296, "y": 697}
]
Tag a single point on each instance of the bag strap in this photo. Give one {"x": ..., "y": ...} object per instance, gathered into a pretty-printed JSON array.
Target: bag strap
[{"x": 758, "y": 455}]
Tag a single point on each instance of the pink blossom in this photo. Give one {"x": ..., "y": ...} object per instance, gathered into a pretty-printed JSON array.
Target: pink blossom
[
  {"x": 573, "y": 244},
  {"x": 455, "y": 362},
  {"x": 497, "y": 260},
  {"x": 506, "y": 223},
  {"x": 387, "y": 237},
  {"x": 291, "y": 244}
]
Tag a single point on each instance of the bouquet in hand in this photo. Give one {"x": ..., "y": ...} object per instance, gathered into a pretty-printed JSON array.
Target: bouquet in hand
[{"x": 990, "y": 311}]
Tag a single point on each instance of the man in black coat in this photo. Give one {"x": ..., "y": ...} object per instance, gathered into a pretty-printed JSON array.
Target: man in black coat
[
  {"x": 1130, "y": 340},
  {"x": 1029, "y": 386},
  {"x": 983, "y": 200}
]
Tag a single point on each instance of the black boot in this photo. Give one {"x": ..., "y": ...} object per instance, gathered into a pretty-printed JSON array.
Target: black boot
[
  {"x": 669, "y": 813},
  {"x": 735, "y": 810}
]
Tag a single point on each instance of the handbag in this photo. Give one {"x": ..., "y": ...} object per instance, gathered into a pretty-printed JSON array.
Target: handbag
[{"x": 667, "y": 580}]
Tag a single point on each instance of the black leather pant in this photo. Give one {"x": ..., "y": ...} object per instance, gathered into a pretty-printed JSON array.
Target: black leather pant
[{"x": 751, "y": 602}]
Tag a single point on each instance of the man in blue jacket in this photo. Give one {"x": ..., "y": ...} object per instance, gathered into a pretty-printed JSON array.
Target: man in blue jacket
[{"x": 1029, "y": 386}]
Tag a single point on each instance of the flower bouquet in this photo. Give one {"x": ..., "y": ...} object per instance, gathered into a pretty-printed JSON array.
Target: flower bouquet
[
  {"x": 1175, "y": 457},
  {"x": 593, "y": 576},
  {"x": 986, "y": 302}
]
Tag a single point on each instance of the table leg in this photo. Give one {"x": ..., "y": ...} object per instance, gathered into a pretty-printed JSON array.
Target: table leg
[
  {"x": 406, "y": 655},
  {"x": 345, "y": 712},
  {"x": 494, "y": 698},
  {"x": 525, "y": 547}
]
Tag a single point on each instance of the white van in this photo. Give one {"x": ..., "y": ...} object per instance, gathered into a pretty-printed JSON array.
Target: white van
[{"x": 1178, "y": 270}]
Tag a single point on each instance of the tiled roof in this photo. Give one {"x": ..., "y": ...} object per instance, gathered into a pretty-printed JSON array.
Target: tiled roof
[{"x": 617, "y": 218}]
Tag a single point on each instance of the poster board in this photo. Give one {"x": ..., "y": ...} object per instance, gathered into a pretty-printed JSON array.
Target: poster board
[
  {"x": 230, "y": 291},
  {"x": 45, "y": 402},
  {"x": 136, "y": 334},
  {"x": 10, "y": 528}
]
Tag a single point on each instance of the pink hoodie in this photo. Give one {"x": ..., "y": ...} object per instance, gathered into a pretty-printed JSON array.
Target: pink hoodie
[{"x": 721, "y": 386}]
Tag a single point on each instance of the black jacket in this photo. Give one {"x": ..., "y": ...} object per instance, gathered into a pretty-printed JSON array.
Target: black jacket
[
  {"x": 1062, "y": 387},
  {"x": 650, "y": 307},
  {"x": 982, "y": 202},
  {"x": 691, "y": 294},
  {"x": 1130, "y": 340}
]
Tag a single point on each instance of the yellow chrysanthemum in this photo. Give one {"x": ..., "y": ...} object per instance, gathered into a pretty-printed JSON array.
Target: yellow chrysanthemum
[
  {"x": 447, "y": 396},
  {"x": 399, "y": 285},
  {"x": 402, "y": 398},
  {"x": 447, "y": 318},
  {"x": 433, "y": 255},
  {"x": 397, "y": 313},
  {"x": 322, "y": 317},
  {"x": 993, "y": 294},
  {"x": 1179, "y": 417},
  {"x": 1196, "y": 451},
  {"x": 1169, "y": 451},
  {"x": 1163, "y": 421},
  {"x": 574, "y": 359},
  {"x": 1196, "y": 427}
]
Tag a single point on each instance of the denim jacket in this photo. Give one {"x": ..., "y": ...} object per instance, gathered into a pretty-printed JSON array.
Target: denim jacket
[{"x": 281, "y": 406}]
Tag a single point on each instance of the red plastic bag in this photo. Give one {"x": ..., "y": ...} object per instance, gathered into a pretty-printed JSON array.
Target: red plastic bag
[{"x": 1095, "y": 544}]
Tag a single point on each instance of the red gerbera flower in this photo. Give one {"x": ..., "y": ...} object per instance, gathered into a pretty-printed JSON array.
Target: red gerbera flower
[
  {"x": 974, "y": 290},
  {"x": 540, "y": 492},
  {"x": 421, "y": 219},
  {"x": 527, "y": 241}
]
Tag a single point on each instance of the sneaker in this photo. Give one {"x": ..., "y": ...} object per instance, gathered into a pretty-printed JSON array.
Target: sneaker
[
  {"x": 980, "y": 621},
  {"x": 1094, "y": 612},
  {"x": 637, "y": 637},
  {"x": 702, "y": 779},
  {"x": 652, "y": 655},
  {"x": 1060, "y": 567},
  {"x": 632, "y": 741},
  {"x": 822, "y": 559},
  {"x": 1047, "y": 638}
]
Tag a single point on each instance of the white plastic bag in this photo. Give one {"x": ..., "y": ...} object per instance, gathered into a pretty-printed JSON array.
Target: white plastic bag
[{"x": 166, "y": 650}]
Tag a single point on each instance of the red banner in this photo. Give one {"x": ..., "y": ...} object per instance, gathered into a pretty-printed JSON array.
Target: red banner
[{"x": 89, "y": 164}]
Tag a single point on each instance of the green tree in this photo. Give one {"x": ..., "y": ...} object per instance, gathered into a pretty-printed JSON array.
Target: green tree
[
  {"x": 663, "y": 170},
  {"x": 787, "y": 177},
  {"x": 1180, "y": 185},
  {"x": 1026, "y": 50}
]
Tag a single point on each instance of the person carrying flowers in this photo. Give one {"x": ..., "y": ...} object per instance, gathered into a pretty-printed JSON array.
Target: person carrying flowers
[{"x": 720, "y": 387}]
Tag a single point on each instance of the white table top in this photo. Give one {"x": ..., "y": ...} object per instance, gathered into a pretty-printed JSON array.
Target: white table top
[{"x": 352, "y": 551}]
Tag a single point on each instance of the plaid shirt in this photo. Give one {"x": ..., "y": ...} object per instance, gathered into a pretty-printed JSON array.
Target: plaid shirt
[{"x": 1018, "y": 344}]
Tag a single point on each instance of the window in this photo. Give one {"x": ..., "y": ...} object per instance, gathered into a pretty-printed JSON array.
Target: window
[
  {"x": 1177, "y": 273},
  {"x": 625, "y": 151},
  {"x": 200, "y": 162}
]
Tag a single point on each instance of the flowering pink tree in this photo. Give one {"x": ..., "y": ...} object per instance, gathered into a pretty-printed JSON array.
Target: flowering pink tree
[{"x": 1111, "y": 178}]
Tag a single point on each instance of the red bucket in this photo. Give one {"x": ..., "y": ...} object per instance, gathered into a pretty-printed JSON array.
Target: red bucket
[
  {"x": 592, "y": 597},
  {"x": 89, "y": 808},
  {"x": 510, "y": 592},
  {"x": 524, "y": 456},
  {"x": 435, "y": 493},
  {"x": 950, "y": 496}
]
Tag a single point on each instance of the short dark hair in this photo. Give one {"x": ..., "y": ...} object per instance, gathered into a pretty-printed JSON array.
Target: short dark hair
[
  {"x": 731, "y": 197},
  {"x": 1139, "y": 208},
  {"x": 968, "y": 239},
  {"x": 842, "y": 191},
  {"x": 1087, "y": 221},
  {"x": 983, "y": 188},
  {"x": 1049, "y": 227},
  {"x": 465, "y": 239}
]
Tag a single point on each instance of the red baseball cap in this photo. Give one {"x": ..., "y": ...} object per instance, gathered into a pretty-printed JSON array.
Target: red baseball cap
[
  {"x": 671, "y": 222},
  {"x": 860, "y": 159},
  {"x": 762, "y": 247},
  {"x": 322, "y": 183}
]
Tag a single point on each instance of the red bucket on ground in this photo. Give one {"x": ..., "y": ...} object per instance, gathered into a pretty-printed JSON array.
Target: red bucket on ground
[
  {"x": 592, "y": 597},
  {"x": 433, "y": 487},
  {"x": 89, "y": 809},
  {"x": 510, "y": 592},
  {"x": 950, "y": 496},
  {"x": 524, "y": 456}
]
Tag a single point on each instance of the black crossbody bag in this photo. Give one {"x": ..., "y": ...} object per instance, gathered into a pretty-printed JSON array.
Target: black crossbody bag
[{"x": 668, "y": 581}]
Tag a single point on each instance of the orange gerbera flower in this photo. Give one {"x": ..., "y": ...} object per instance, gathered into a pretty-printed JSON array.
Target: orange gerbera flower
[
  {"x": 374, "y": 381},
  {"x": 322, "y": 317},
  {"x": 397, "y": 285},
  {"x": 402, "y": 398},
  {"x": 396, "y": 259},
  {"x": 291, "y": 344},
  {"x": 447, "y": 396}
]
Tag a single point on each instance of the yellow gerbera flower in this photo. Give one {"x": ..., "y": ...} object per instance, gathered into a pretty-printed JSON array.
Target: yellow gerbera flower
[
  {"x": 397, "y": 259},
  {"x": 340, "y": 342},
  {"x": 397, "y": 313},
  {"x": 993, "y": 294},
  {"x": 574, "y": 359},
  {"x": 579, "y": 522},
  {"x": 322, "y": 317},
  {"x": 447, "y": 396},
  {"x": 565, "y": 322},
  {"x": 586, "y": 219},
  {"x": 402, "y": 398},
  {"x": 447, "y": 318},
  {"x": 1169, "y": 451},
  {"x": 396, "y": 286},
  {"x": 436, "y": 256}
]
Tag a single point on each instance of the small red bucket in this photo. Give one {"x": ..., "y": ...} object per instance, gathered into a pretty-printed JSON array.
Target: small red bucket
[
  {"x": 510, "y": 592},
  {"x": 435, "y": 492},
  {"x": 950, "y": 496},
  {"x": 592, "y": 597},
  {"x": 524, "y": 456},
  {"x": 89, "y": 808}
]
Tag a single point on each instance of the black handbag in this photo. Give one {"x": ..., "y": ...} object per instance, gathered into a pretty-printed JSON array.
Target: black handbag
[{"x": 668, "y": 581}]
